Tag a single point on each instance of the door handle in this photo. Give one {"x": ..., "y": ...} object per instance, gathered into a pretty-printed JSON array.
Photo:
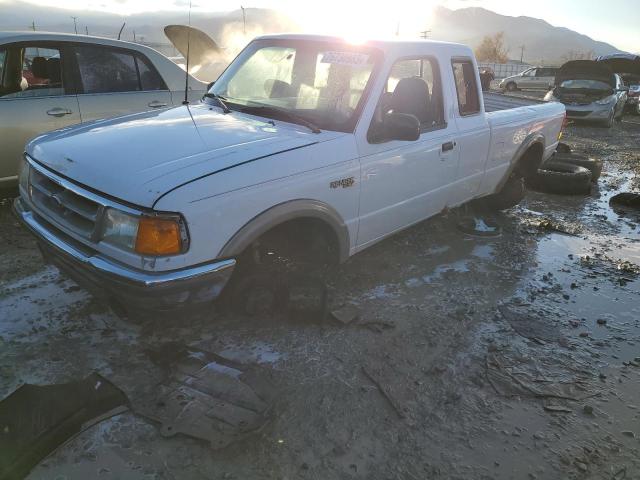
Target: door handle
[
  {"x": 157, "y": 104},
  {"x": 59, "y": 112},
  {"x": 448, "y": 146}
]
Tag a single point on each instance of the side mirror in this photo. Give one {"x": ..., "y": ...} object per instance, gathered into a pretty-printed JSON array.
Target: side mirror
[{"x": 400, "y": 126}]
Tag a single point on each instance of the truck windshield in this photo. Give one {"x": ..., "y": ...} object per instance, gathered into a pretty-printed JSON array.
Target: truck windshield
[{"x": 321, "y": 82}]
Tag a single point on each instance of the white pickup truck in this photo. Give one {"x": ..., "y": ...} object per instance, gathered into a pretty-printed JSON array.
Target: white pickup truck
[{"x": 306, "y": 149}]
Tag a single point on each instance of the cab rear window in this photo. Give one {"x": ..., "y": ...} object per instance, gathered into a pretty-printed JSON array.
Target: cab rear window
[{"x": 466, "y": 87}]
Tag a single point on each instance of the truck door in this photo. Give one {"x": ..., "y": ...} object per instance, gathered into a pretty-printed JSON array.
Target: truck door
[
  {"x": 403, "y": 182},
  {"x": 473, "y": 136}
]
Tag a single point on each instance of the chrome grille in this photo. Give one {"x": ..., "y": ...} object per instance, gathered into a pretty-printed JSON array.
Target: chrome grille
[{"x": 62, "y": 206}]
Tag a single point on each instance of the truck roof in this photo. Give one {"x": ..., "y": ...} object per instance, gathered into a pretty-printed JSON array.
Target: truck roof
[{"x": 401, "y": 47}]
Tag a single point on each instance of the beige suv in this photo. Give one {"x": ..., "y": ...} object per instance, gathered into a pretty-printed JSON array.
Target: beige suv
[{"x": 49, "y": 81}]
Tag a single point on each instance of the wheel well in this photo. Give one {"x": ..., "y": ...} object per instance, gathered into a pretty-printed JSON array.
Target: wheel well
[
  {"x": 530, "y": 160},
  {"x": 300, "y": 233}
]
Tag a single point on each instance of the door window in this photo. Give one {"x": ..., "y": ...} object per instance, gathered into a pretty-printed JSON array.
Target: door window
[
  {"x": 103, "y": 70},
  {"x": 106, "y": 70},
  {"x": 466, "y": 87},
  {"x": 413, "y": 87},
  {"x": 31, "y": 72},
  {"x": 150, "y": 79}
]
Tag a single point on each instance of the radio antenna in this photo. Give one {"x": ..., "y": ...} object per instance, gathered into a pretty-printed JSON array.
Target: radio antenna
[{"x": 186, "y": 75}]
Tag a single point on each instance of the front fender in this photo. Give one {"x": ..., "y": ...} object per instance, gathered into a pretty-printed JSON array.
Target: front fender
[{"x": 284, "y": 212}]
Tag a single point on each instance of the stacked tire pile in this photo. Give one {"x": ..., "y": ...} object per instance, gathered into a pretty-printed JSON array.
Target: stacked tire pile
[{"x": 566, "y": 173}]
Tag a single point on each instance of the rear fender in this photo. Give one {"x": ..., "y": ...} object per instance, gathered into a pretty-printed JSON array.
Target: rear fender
[{"x": 520, "y": 158}]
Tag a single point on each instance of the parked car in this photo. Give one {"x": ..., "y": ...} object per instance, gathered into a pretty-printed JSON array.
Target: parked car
[
  {"x": 53, "y": 80},
  {"x": 532, "y": 78},
  {"x": 633, "y": 99},
  {"x": 306, "y": 150},
  {"x": 590, "y": 91},
  {"x": 628, "y": 66}
]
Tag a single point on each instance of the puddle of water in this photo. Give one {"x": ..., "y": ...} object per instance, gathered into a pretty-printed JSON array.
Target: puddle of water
[
  {"x": 438, "y": 250},
  {"x": 486, "y": 251},
  {"x": 596, "y": 298},
  {"x": 461, "y": 266},
  {"x": 259, "y": 352},
  {"x": 379, "y": 292},
  {"x": 34, "y": 300}
]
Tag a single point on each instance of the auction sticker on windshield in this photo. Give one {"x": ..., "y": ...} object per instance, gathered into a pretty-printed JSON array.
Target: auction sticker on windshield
[{"x": 345, "y": 58}]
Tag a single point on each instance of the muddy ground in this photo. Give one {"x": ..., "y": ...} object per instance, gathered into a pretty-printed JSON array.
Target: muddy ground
[{"x": 514, "y": 356}]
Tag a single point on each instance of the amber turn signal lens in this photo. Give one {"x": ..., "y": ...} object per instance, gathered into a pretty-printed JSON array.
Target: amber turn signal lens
[{"x": 158, "y": 236}]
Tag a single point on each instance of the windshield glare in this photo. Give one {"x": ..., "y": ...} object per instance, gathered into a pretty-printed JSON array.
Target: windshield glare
[
  {"x": 318, "y": 81},
  {"x": 585, "y": 84}
]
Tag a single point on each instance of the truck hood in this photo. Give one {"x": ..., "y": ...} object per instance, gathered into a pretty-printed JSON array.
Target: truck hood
[
  {"x": 585, "y": 70},
  {"x": 139, "y": 157}
]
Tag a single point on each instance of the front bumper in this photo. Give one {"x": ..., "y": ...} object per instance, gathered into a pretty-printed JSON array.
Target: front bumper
[
  {"x": 592, "y": 112},
  {"x": 113, "y": 281}
]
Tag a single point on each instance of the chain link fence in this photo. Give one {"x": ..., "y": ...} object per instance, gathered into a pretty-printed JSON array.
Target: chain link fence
[{"x": 504, "y": 70}]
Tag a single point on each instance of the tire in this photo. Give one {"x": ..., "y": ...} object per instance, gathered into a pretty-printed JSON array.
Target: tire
[
  {"x": 511, "y": 87},
  {"x": 563, "y": 148},
  {"x": 509, "y": 196},
  {"x": 609, "y": 121},
  {"x": 561, "y": 178},
  {"x": 591, "y": 164}
]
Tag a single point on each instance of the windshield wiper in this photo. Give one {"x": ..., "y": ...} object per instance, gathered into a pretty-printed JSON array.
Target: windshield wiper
[
  {"x": 220, "y": 100},
  {"x": 283, "y": 114}
]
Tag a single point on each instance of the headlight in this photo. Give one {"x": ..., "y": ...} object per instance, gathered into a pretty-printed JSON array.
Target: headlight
[
  {"x": 23, "y": 176},
  {"x": 120, "y": 229},
  {"x": 606, "y": 100},
  {"x": 148, "y": 235}
]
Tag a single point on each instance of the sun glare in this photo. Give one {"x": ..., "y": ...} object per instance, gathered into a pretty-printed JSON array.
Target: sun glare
[{"x": 357, "y": 23}]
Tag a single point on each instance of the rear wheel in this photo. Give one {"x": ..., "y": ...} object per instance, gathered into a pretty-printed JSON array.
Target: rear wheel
[
  {"x": 563, "y": 148},
  {"x": 509, "y": 196}
]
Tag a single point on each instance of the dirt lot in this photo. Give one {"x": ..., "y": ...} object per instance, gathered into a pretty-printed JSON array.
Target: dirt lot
[{"x": 501, "y": 357}]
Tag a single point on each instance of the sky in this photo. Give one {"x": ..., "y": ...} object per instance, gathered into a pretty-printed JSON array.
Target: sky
[{"x": 616, "y": 22}]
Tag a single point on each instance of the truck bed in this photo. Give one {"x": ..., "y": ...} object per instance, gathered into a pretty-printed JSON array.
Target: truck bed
[{"x": 494, "y": 102}]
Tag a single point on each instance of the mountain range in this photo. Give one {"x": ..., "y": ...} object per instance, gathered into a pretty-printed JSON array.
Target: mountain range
[{"x": 543, "y": 42}]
